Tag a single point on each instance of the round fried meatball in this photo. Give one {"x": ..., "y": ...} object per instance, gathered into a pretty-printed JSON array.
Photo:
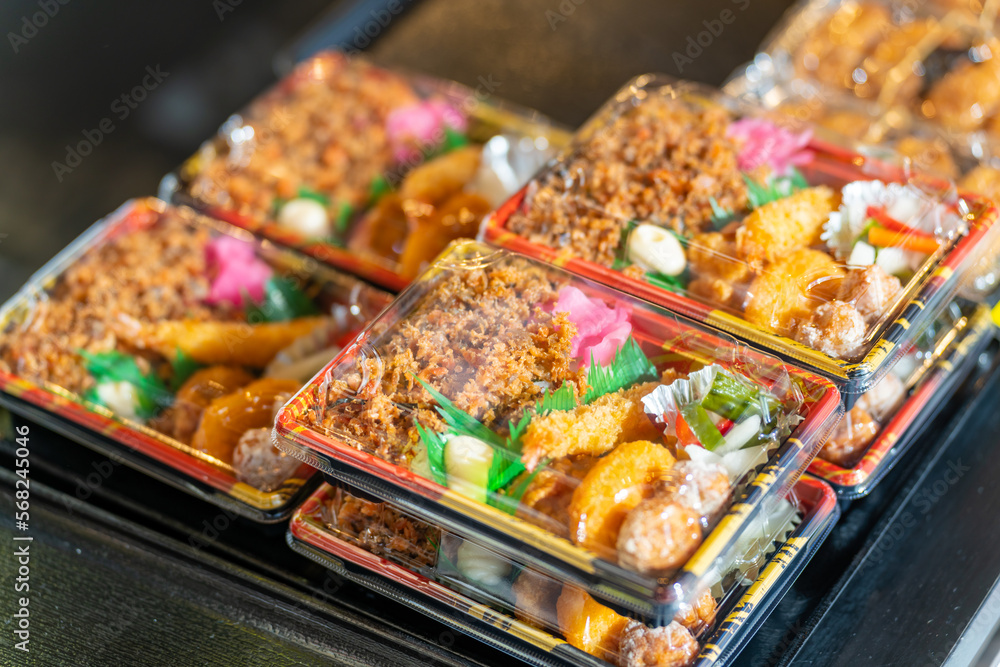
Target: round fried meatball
[
  {"x": 668, "y": 646},
  {"x": 535, "y": 598},
  {"x": 701, "y": 487},
  {"x": 882, "y": 400},
  {"x": 658, "y": 536},
  {"x": 259, "y": 463},
  {"x": 855, "y": 432},
  {"x": 870, "y": 290},
  {"x": 836, "y": 328},
  {"x": 697, "y": 617}
]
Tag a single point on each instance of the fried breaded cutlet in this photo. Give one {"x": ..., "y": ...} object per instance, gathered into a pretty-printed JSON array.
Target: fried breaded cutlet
[
  {"x": 791, "y": 288},
  {"x": 773, "y": 230},
  {"x": 593, "y": 429}
]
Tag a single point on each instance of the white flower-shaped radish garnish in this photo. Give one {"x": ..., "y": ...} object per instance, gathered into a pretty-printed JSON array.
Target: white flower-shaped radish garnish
[
  {"x": 904, "y": 203},
  {"x": 655, "y": 249},
  {"x": 306, "y": 216}
]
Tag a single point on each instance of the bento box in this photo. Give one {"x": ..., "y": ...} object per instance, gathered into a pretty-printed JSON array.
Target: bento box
[
  {"x": 371, "y": 171},
  {"x": 687, "y": 198},
  {"x": 538, "y": 619},
  {"x": 167, "y": 339},
  {"x": 542, "y": 415},
  {"x": 888, "y": 419},
  {"x": 939, "y": 66}
]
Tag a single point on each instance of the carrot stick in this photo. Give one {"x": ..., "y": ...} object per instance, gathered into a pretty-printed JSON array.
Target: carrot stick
[
  {"x": 886, "y": 238},
  {"x": 883, "y": 218}
]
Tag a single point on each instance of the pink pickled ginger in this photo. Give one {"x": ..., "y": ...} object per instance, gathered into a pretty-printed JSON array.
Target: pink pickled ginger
[
  {"x": 600, "y": 329},
  {"x": 237, "y": 271},
  {"x": 762, "y": 142}
]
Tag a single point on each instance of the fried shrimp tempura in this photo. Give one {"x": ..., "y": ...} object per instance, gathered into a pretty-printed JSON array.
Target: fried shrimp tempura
[
  {"x": 590, "y": 429},
  {"x": 777, "y": 228},
  {"x": 791, "y": 288}
]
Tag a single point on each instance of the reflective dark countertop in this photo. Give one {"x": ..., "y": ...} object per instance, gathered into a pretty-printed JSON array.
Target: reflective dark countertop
[{"x": 121, "y": 572}]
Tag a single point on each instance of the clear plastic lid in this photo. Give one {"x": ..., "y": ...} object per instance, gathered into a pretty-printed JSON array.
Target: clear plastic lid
[
  {"x": 337, "y": 523},
  {"x": 596, "y": 435},
  {"x": 370, "y": 170},
  {"x": 721, "y": 211},
  {"x": 180, "y": 337}
]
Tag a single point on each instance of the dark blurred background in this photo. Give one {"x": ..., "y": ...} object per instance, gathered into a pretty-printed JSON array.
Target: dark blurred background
[{"x": 63, "y": 71}]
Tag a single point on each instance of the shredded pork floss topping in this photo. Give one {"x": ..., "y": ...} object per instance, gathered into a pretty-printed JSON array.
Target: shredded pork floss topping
[
  {"x": 661, "y": 161},
  {"x": 483, "y": 337}
]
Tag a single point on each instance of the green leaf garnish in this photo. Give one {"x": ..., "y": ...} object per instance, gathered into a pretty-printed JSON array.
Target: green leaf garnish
[
  {"x": 344, "y": 214},
  {"x": 720, "y": 216},
  {"x": 509, "y": 502},
  {"x": 306, "y": 193},
  {"x": 454, "y": 139},
  {"x": 435, "y": 445},
  {"x": 379, "y": 188},
  {"x": 798, "y": 180},
  {"x": 777, "y": 188},
  {"x": 517, "y": 430},
  {"x": 630, "y": 366},
  {"x": 563, "y": 398},
  {"x": 506, "y": 465},
  {"x": 283, "y": 301},
  {"x": 672, "y": 283},
  {"x": 183, "y": 367},
  {"x": 151, "y": 394},
  {"x": 459, "y": 421}
]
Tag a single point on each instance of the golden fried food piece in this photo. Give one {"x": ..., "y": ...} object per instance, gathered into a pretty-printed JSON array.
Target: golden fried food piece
[
  {"x": 930, "y": 155},
  {"x": 698, "y": 617},
  {"x": 668, "y": 646},
  {"x": 616, "y": 484},
  {"x": 773, "y": 230},
  {"x": 965, "y": 97},
  {"x": 546, "y": 501},
  {"x": 230, "y": 343},
  {"x": 839, "y": 44},
  {"x": 383, "y": 230},
  {"x": 589, "y": 625},
  {"x": 882, "y": 400},
  {"x": 659, "y": 535},
  {"x": 855, "y": 432},
  {"x": 871, "y": 290},
  {"x": 702, "y": 487},
  {"x": 228, "y": 417},
  {"x": 458, "y": 217},
  {"x": 535, "y": 597},
  {"x": 791, "y": 288},
  {"x": 835, "y": 328},
  {"x": 982, "y": 180},
  {"x": 593, "y": 429},
  {"x": 714, "y": 254},
  {"x": 204, "y": 386},
  {"x": 440, "y": 178}
]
